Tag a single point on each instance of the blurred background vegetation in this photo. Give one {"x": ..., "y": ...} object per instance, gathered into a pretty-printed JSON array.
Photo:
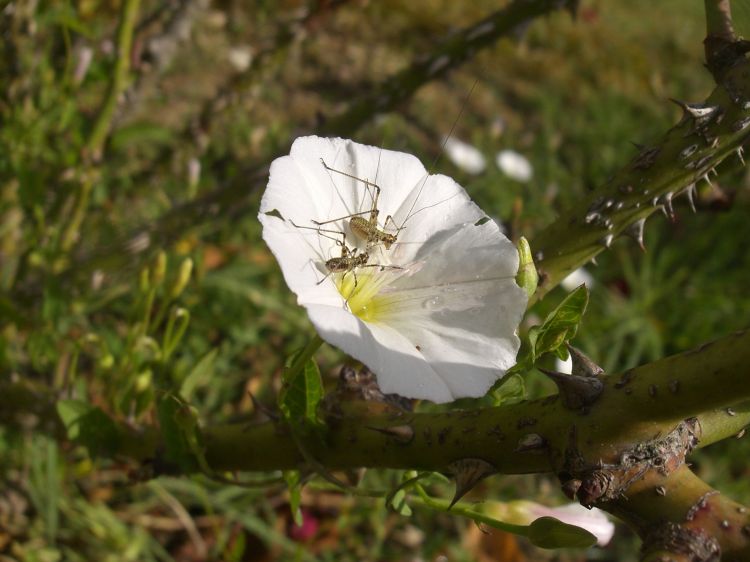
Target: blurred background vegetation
[{"x": 169, "y": 241}]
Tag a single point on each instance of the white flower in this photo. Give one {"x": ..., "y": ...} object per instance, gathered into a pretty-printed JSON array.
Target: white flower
[
  {"x": 435, "y": 315},
  {"x": 564, "y": 366},
  {"x": 464, "y": 155},
  {"x": 576, "y": 278},
  {"x": 514, "y": 165}
]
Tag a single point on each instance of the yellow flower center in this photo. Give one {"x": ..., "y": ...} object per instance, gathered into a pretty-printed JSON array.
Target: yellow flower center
[{"x": 365, "y": 300}]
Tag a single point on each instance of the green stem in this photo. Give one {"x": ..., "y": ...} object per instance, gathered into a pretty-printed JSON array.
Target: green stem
[
  {"x": 301, "y": 359},
  {"x": 120, "y": 76},
  {"x": 101, "y": 127}
]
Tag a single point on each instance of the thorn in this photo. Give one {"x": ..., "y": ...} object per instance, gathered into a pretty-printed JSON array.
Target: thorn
[
  {"x": 593, "y": 261},
  {"x": 691, "y": 191},
  {"x": 403, "y": 434},
  {"x": 698, "y": 111},
  {"x": 739, "y": 153},
  {"x": 607, "y": 240},
  {"x": 577, "y": 391},
  {"x": 708, "y": 181},
  {"x": 713, "y": 171},
  {"x": 260, "y": 407},
  {"x": 468, "y": 473},
  {"x": 635, "y": 231},
  {"x": 583, "y": 365},
  {"x": 668, "y": 205},
  {"x": 530, "y": 442},
  {"x": 687, "y": 152},
  {"x": 638, "y": 145}
]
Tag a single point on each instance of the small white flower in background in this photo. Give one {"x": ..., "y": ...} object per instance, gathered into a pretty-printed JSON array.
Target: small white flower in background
[
  {"x": 464, "y": 155},
  {"x": 514, "y": 165},
  {"x": 564, "y": 366},
  {"x": 435, "y": 315},
  {"x": 524, "y": 512},
  {"x": 240, "y": 57},
  {"x": 576, "y": 278}
]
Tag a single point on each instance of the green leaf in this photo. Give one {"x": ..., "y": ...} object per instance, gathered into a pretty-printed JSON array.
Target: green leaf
[
  {"x": 199, "y": 375},
  {"x": 548, "y": 532},
  {"x": 294, "y": 482},
  {"x": 300, "y": 396},
  {"x": 89, "y": 426},
  {"x": 562, "y": 323},
  {"x": 559, "y": 327}
]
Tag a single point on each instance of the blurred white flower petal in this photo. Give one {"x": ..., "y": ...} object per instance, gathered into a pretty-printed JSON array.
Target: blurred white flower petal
[
  {"x": 240, "y": 58},
  {"x": 594, "y": 520},
  {"x": 523, "y": 512},
  {"x": 465, "y": 156},
  {"x": 577, "y": 278},
  {"x": 514, "y": 165},
  {"x": 564, "y": 366},
  {"x": 435, "y": 316}
]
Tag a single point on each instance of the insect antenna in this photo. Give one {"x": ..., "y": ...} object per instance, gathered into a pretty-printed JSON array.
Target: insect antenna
[{"x": 437, "y": 159}]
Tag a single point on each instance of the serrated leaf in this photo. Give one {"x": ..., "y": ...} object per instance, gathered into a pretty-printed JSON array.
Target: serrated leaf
[
  {"x": 89, "y": 426},
  {"x": 548, "y": 532},
  {"x": 559, "y": 327},
  {"x": 293, "y": 481},
  {"x": 300, "y": 396},
  {"x": 561, "y": 324}
]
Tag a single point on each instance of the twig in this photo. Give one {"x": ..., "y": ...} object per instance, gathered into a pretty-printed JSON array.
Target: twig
[{"x": 100, "y": 130}]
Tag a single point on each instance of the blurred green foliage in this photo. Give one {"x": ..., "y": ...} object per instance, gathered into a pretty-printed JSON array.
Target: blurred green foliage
[{"x": 158, "y": 298}]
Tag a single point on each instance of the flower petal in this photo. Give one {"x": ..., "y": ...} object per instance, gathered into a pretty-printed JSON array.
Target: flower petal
[
  {"x": 464, "y": 155},
  {"x": 399, "y": 366},
  {"x": 460, "y": 306}
]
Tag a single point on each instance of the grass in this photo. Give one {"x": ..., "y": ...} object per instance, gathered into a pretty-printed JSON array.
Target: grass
[{"x": 570, "y": 95}]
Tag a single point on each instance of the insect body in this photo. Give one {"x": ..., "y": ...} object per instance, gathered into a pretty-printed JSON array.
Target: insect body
[
  {"x": 366, "y": 229},
  {"x": 349, "y": 260}
]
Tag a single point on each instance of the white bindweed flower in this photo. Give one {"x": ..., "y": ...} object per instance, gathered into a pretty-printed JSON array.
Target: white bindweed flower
[
  {"x": 433, "y": 315},
  {"x": 464, "y": 155},
  {"x": 514, "y": 165}
]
